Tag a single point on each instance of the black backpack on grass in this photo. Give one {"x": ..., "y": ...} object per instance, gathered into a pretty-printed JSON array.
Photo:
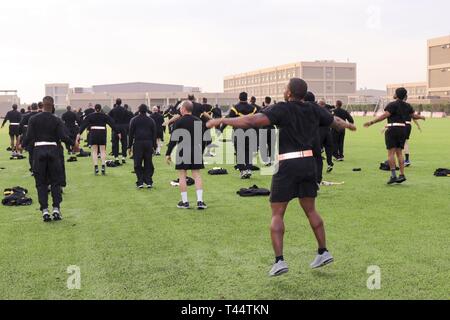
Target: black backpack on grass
[{"x": 442, "y": 172}]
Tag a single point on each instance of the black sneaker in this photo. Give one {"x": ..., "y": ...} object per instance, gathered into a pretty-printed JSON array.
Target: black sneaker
[
  {"x": 103, "y": 171},
  {"x": 201, "y": 205},
  {"x": 96, "y": 171},
  {"x": 124, "y": 161},
  {"x": 330, "y": 168},
  {"x": 140, "y": 186},
  {"x": 150, "y": 186},
  {"x": 392, "y": 180},
  {"x": 401, "y": 179},
  {"x": 57, "y": 215},
  {"x": 183, "y": 205},
  {"x": 46, "y": 216}
]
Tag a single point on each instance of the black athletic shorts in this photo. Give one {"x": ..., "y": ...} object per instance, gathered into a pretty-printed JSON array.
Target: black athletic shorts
[
  {"x": 193, "y": 161},
  {"x": 395, "y": 138},
  {"x": 97, "y": 138},
  {"x": 183, "y": 166},
  {"x": 408, "y": 131},
  {"x": 295, "y": 178},
  {"x": 14, "y": 130}
]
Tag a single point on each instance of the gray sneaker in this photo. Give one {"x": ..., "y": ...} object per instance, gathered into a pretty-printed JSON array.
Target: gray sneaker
[
  {"x": 278, "y": 269},
  {"x": 322, "y": 260},
  {"x": 46, "y": 215},
  {"x": 57, "y": 216}
]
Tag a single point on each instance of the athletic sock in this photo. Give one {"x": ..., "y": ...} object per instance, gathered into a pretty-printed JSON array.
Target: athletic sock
[
  {"x": 200, "y": 195},
  {"x": 278, "y": 259},
  {"x": 184, "y": 197},
  {"x": 407, "y": 157},
  {"x": 394, "y": 173},
  {"x": 322, "y": 251}
]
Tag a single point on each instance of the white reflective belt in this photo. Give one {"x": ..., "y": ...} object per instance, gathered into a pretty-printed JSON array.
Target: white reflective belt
[
  {"x": 25, "y": 126},
  {"x": 396, "y": 125},
  {"x": 44, "y": 143},
  {"x": 98, "y": 128},
  {"x": 295, "y": 155},
  {"x": 14, "y": 124},
  {"x": 408, "y": 122}
]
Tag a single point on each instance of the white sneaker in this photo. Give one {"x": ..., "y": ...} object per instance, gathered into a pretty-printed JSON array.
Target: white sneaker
[
  {"x": 278, "y": 269},
  {"x": 322, "y": 260}
]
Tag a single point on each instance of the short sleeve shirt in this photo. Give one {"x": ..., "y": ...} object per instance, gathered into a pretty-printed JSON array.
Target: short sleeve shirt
[{"x": 299, "y": 124}]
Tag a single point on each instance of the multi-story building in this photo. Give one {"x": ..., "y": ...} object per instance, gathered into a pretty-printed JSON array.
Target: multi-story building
[
  {"x": 59, "y": 92},
  {"x": 416, "y": 90},
  {"x": 328, "y": 80},
  {"x": 439, "y": 67},
  {"x": 437, "y": 88},
  {"x": 7, "y": 99},
  {"x": 133, "y": 94}
]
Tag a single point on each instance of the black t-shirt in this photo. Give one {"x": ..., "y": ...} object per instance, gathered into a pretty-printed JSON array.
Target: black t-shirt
[
  {"x": 120, "y": 115},
  {"x": 400, "y": 111},
  {"x": 97, "y": 119},
  {"x": 198, "y": 110},
  {"x": 216, "y": 113},
  {"x": 13, "y": 116},
  {"x": 188, "y": 123},
  {"x": 299, "y": 123},
  {"x": 46, "y": 127},
  {"x": 88, "y": 112},
  {"x": 142, "y": 128},
  {"x": 409, "y": 112},
  {"x": 70, "y": 119},
  {"x": 344, "y": 115},
  {"x": 159, "y": 120}
]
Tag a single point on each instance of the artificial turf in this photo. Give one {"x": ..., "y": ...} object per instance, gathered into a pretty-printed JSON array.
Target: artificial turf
[{"x": 135, "y": 244}]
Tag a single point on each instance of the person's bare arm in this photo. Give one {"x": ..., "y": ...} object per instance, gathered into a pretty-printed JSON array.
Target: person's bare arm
[
  {"x": 383, "y": 117},
  {"x": 417, "y": 124},
  {"x": 246, "y": 122},
  {"x": 173, "y": 120},
  {"x": 416, "y": 116},
  {"x": 339, "y": 125}
]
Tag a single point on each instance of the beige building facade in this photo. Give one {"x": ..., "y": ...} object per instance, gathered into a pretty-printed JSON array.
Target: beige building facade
[
  {"x": 439, "y": 67},
  {"x": 133, "y": 94},
  {"x": 7, "y": 99},
  {"x": 134, "y": 100},
  {"x": 416, "y": 90},
  {"x": 437, "y": 87},
  {"x": 328, "y": 80}
]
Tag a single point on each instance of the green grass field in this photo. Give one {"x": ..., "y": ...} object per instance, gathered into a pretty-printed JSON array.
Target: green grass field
[{"x": 132, "y": 244}]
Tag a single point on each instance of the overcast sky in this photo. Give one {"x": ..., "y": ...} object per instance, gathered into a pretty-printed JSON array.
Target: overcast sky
[{"x": 198, "y": 42}]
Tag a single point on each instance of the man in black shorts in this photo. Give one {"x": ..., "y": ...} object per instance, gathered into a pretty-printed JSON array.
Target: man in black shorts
[
  {"x": 188, "y": 135},
  {"x": 14, "y": 117},
  {"x": 396, "y": 113},
  {"x": 298, "y": 124}
]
